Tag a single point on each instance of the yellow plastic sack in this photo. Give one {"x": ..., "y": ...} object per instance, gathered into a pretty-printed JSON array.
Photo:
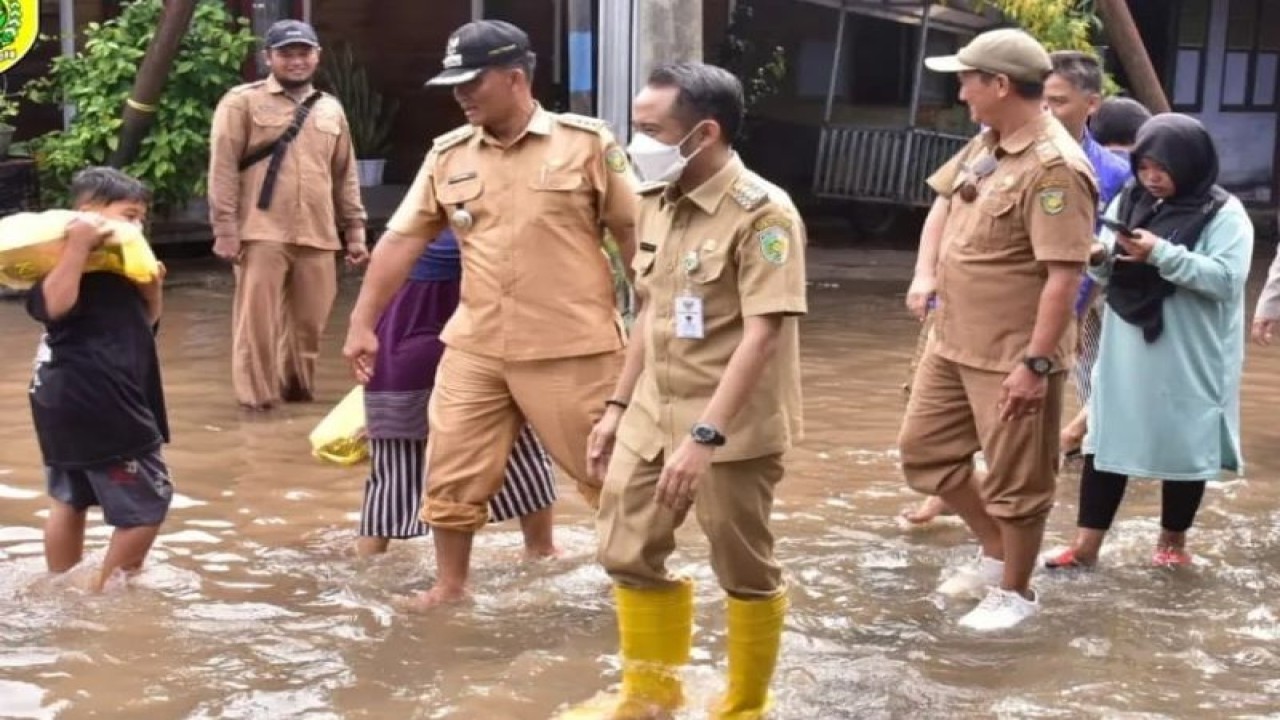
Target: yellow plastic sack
[
  {"x": 340, "y": 437},
  {"x": 31, "y": 243}
]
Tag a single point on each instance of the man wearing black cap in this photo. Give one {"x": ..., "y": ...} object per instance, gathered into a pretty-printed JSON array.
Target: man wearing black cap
[
  {"x": 282, "y": 183},
  {"x": 1020, "y": 203},
  {"x": 536, "y": 335}
]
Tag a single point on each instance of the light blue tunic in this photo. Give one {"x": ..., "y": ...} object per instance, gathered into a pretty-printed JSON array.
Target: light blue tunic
[{"x": 1171, "y": 409}]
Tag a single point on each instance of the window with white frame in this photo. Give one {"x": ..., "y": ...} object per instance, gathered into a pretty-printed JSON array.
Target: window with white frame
[
  {"x": 1250, "y": 74},
  {"x": 1189, "y": 60}
]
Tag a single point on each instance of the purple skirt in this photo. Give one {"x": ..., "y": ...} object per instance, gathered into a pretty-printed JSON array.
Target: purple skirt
[{"x": 409, "y": 350}]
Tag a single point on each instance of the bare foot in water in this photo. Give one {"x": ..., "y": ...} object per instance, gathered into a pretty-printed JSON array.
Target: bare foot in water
[
  {"x": 550, "y": 552},
  {"x": 927, "y": 512},
  {"x": 428, "y": 600}
]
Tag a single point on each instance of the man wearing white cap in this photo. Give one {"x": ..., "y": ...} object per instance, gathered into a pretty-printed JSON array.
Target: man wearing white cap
[{"x": 1021, "y": 200}]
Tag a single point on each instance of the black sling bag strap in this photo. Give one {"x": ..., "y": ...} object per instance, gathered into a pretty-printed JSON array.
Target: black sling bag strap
[{"x": 276, "y": 150}]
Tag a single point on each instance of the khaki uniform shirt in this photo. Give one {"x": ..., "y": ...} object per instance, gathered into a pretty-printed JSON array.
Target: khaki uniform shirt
[
  {"x": 536, "y": 283},
  {"x": 737, "y": 243},
  {"x": 317, "y": 190},
  {"x": 1036, "y": 206}
]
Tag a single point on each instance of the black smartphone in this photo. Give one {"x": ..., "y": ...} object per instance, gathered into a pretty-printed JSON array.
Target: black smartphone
[{"x": 1118, "y": 227}]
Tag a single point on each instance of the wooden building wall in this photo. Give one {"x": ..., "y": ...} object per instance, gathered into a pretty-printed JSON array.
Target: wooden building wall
[{"x": 402, "y": 45}]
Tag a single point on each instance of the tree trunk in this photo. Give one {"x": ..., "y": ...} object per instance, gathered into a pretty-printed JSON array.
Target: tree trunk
[
  {"x": 1123, "y": 35},
  {"x": 140, "y": 108}
]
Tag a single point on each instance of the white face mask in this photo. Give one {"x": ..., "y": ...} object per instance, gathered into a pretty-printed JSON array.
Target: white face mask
[{"x": 656, "y": 161}]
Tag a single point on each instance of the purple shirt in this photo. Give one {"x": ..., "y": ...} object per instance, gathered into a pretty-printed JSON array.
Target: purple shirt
[{"x": 1113, "y": 171}]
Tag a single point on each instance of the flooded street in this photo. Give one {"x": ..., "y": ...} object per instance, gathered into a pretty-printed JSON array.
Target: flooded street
[{"x": 253, "y": 605}]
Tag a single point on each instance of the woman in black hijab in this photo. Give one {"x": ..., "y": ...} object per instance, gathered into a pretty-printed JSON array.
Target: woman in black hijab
[{"x": 1167, "y": 382}]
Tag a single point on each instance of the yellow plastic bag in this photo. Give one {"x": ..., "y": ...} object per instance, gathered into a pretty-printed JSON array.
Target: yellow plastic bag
[
  {"x": 31, "y": 243},
  {"x": 340, "y": 436}
]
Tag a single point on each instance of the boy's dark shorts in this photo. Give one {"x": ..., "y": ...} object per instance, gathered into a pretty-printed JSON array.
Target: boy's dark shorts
[{"x": 132, "y": 493}]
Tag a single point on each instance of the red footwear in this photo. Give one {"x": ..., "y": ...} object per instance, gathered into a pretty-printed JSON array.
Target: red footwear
[
  {"x": 1171, "y": 557},
  {"x": 1065, "y": 560}
]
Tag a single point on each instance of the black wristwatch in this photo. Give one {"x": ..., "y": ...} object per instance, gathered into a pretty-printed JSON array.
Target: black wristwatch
[
  {"x": 1041, "y": 366},
  {"x": 705, "y": 434}
]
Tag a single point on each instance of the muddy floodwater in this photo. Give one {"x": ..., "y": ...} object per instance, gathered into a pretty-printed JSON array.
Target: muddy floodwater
[{"x": 253, "y": 605}]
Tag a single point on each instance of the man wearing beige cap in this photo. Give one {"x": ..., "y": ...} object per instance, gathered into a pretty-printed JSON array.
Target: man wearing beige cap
[{"x": 1020, "y": 201}]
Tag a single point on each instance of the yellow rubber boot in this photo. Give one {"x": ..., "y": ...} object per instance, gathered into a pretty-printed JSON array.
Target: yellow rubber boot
[
  {"x": 655, "y": 628},
  {"x": 755, "y": 632}
]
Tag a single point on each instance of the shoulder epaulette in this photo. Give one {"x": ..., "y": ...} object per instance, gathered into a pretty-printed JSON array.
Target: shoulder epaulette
[
  {"x": 748, "y": 193},
  {"x": 1049, "y": 153},
  {"x": 248, "y": 86},
  {"x": 582, "y": 122},
  {"x": 451, "y": 138}
]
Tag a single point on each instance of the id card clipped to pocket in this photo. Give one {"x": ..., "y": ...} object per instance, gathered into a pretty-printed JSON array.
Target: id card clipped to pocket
[{"x": 689, "y": 316}]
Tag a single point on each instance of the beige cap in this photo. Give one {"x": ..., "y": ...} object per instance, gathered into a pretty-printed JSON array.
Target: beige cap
[{"x": 1006, "y": 52}]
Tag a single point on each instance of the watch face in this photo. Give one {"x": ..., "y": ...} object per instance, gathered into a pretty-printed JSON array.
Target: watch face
[
  {"x": 1040, "y": 365},
  {"x": 706, "y": 435}
]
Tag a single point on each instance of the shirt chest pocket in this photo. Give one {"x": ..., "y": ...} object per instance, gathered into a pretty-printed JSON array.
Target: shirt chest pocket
[
  {"x": 709, "y": 266},
  {"x": 269, "y": 122},
  {"x": 562, "y": 195},
  {"x": 461, "y": 200},
  {"x": 326, "y": 121},
  {"x": 710, "y": 278},
  {"x": 1000, "y": 220}
]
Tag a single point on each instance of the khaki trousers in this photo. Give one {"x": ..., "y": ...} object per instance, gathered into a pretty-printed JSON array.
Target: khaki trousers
[
  {"x": 478, "y": 406},
  {"x": 733, "y": 504},
  {"x": 283, "y": 297},
  {"x": 952, "y": 414}
]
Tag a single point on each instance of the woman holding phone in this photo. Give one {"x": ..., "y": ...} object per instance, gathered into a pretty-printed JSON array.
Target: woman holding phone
[{"x": 1166, "y": 386}]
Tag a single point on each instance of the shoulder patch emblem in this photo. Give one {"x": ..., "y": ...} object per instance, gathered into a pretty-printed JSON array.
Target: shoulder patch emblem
[
  {"x": 453, "y": 137},
  {"x": 582, "y": 122},
  {"x": 774, "y": 235},
  {"x": 1053, "y": 200},
  {"x": 748, "y": 194},
  {"x": 616, "y": 160}
]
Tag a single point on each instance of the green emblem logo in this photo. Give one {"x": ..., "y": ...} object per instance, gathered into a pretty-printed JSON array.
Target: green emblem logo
[
  {"x": 616, "y": 159},
  {"x": 774, "y": 244},
  {"x": 1053, "y": 201},
  {"x": 19, "y": 27}
]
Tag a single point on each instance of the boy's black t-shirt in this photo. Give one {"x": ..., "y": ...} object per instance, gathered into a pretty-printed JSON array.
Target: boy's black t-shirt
[{"x": 96, "y": 395}]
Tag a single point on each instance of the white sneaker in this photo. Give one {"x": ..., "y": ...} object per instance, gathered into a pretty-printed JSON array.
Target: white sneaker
[
  {"x": 974, "y": 579},
  {"x": 1000, "y": 610}
]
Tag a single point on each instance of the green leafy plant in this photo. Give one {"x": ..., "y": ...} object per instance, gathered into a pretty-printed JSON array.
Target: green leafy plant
[
  {"x": 8, "y": 109},
  {"x": 369, "y": 114},
  {"x": 1057, "y": 24},
  {"x": 761, "y": 69},
  {"x": 96, "y": 81}
]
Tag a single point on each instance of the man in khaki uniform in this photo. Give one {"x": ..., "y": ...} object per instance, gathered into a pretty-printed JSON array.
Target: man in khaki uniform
[
  {"x": 711, "y": 392},
  {"x": 1021, "y": 201},
  {"x": 276, "y": 208},
  {"x": 537, "y": 334}
]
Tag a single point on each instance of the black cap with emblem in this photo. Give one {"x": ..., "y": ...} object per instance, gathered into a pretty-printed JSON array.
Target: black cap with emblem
[
  {"x": 477, "y": 46},
  {"x": 290, "y": 32}
]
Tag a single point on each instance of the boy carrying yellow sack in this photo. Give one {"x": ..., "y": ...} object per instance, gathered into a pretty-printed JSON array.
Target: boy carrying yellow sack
[{"x": 32, "y": 243}]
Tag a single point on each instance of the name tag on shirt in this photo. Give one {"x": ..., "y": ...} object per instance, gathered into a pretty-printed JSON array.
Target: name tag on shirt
[{"x": 689, "y": 317}]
